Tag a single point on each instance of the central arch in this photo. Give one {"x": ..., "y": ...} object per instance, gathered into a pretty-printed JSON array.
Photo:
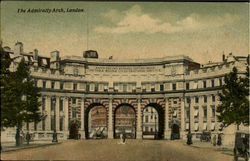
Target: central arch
[
  {"x": 125, "y": 121},
  {"x": 96, "y": 126},
  {"x": 153, "y": 122}
]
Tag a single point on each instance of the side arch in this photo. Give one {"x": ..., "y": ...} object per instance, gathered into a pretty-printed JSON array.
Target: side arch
[{"x": 101, "y": 131}]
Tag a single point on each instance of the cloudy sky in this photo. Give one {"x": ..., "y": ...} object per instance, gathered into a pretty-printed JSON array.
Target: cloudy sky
[{"x": 130, "y": 30}]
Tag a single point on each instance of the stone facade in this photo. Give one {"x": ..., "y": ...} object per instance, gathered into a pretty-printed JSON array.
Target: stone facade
[{"x": 175, "y": 86}]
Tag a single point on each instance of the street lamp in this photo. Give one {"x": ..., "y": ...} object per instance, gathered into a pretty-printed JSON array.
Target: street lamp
[
  {"x": 54, "y": 134},
  {"x": 189, "y": 135}
]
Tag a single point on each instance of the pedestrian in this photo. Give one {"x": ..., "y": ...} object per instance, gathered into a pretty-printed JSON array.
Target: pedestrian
[
  {"x": 28, "y": 138},
  {"x": 123, "y": 138},
  {"x": 120, "y": 142},
  {"x": 214, "y": 140},
  {"x": 219, "y": 140}
]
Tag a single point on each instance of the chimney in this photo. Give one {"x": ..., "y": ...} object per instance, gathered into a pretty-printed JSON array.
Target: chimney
[
  {"x": 18, "y": 48},
  {"x": 35, "y": 54},
  {"x": 223, "y": 57}
]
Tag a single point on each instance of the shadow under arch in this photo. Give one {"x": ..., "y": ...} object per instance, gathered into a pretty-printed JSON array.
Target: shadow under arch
[
  {"x": 131, "y": 121},
  {"x": 161, "y": 119},
  {"x": 86, "y": 117}
]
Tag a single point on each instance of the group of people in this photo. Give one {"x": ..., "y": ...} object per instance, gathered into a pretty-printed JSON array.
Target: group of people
[{"x": 216, "y": 140}]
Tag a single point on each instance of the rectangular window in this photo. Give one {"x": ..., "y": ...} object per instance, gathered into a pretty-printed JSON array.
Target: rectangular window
[
  {"x": 205, "y": 112},
  {"x": 96, "y": 87},
  {"x": 61, "y": 85},
  {"x": 43, "y": 124},
  {"x": 75, "y": 86},
  {"x": 188, "y": 113},
  {"x": 52, "y": 104},
  {"x": 213, "y": 111},
  {"x": 161, "y": 87},
  {"x": 220, "y": 81},
  {"x": 74, "y": 114},
  {"x": 52, "y": 84},
  {"x": 213, "y": 98},
  {"x": 146, "y": 119},
  {"x": 44, "y": 84},
  {"x": 35, "y": 126},
  {"x": 87, "y": 87},
  {"x": 188, "y": 100},
  {"x": 187, "y": 86},
  {"x": 43, "y": 104},
  {"x": 73, "y": 100},
  {"x": 146, "y": 129},
  {"x": 35, "y": 83},
  {"x": 174, "y": 86},
  {"x": 27, "y": 125},
  {"x": 212, "y": 83},
  {"x": 196, "y": 99},
  {"x": 61, "y": 105},
  {"x": 52, "y": 125},
  {"x": 125, "y": 88},
  {"x": 205, "y": 99},
  {"x": 61, "y": 124},
  {"x": 204, "y": 84}
]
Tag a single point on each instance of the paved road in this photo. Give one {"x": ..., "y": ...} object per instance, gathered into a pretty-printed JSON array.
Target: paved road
[{"x": 149, "y": 150}]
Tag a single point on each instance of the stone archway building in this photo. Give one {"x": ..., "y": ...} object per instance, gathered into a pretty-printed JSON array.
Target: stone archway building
[{"x": 173, "y": 83}]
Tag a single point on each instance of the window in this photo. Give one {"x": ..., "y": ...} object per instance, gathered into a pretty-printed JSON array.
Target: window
[
  {"x": 212, "y": 83},
  {"x": 174, "y": 86},
  {"x": 52, "y": 84},
  {"x": 161, "y": 87},
  {"x": 43, "y": 104},
  {"x": 75, "y": 86},
  {"x": 61, "y": 124},
  {"x": 187, "y": 86},
  {"x": 35, "y": 126},
  {"x": 220, "y": 80},
  {"x": 44, "y": 84},
  {"x": 146, "y": 129},
  {"x": 52, "y": 124},
  {"x": 213, "y": 98},
  {"x": 52, "y": 104},
  {"x": 74, "y": 113},
  {"x": 204, "y": 84},
  {"x": 205, "y": 99},
  {"x": 213, "y": 111},
  {"x": 87, "y": 87},
  {"x": 96, "y": 87},
  {"x": 35, "y": 83},
  {"x": 151, "y": 117},
  {"x": 27, "y": 125},
  {"x": 146, "y": 119},
  {"x": 187, "y": 113},
  {"x": 205, "y": 112},
  {"x": 73, "y": 100},
  {"x": 43, "y": 124},
  {"x": 61, "y": 105},
  {"x": 125, "y": 88},
  {"x": 61, "y": 85},
  {"x": 151, "y": 129},
  {"x": 196, "y": 99},
  {"x": 188, "y": 100}
]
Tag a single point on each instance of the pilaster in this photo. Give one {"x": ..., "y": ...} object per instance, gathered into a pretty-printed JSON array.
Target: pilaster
[
  {"x": 139, "y": 121},
  {"x": 82, "y": 119},
  {"x": 110, "y": 120}
]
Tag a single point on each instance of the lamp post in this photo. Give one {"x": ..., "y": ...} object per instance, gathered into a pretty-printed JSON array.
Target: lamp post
[
  {"x": 189, "y": 135},
  {"x": 54, "y": 134}
]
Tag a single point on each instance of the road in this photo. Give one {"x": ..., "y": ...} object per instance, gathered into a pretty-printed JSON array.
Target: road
[{"x": 146, "y": 150}]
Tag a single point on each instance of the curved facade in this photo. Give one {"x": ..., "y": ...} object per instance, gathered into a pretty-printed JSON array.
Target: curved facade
[{"x": 171, "y": 85}]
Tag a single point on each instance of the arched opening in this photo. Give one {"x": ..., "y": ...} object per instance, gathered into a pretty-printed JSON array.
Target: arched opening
[
  {"x": 175, "y": 132},
  {"x": 125, "y": 121},
  {"x": 96, "y": 122},
  {"x": 153, "y": 122}
]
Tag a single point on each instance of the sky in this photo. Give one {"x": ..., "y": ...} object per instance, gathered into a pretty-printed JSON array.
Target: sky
[{"x": 130, "y": 30}]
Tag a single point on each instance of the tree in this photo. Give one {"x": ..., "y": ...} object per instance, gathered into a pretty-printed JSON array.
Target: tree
[
  {"x": 234, "y": 107},
  {"x": 19, "y": 96}
]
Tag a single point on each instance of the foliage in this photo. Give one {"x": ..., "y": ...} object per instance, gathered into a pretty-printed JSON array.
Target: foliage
[
  {"x": 19, "y": 96},
  {"x": 234, "y": 107}
]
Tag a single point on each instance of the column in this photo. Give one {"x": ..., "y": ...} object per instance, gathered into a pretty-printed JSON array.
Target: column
[
  {"x": 139, "y": 126},
  {"x": 48, "y": 109},
  {"x": 200, "y": 114},
  {"x": 166, "y": 129},
  {"x": 110, "y": 123},
  {"x": 57, "y": 114},
  {"x": 182, "y": 132},
  {"x": 66, "y": 114},
  {"x": 82, "y": 119}
]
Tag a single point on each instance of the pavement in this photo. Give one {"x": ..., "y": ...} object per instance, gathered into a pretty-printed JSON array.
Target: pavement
[
  {"x": 11, "y": 146},
  {"x": 112, "y": 150},
  {"x": 208, "y": 145}
]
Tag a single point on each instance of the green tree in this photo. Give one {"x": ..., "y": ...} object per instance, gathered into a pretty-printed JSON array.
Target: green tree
[
  {"x": 234, "y": 106},
  {"x": 19, "y": 97}
]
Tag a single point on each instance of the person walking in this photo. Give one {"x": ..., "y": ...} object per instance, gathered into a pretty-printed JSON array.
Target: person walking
[
  {"x": 123, "y": 138},
  {"x": 219, "y": 140},
  {"x": 214, "y": 140}
]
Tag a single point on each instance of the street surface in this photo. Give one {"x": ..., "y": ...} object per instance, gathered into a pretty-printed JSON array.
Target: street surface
[{"x": 109, "y": 149}]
